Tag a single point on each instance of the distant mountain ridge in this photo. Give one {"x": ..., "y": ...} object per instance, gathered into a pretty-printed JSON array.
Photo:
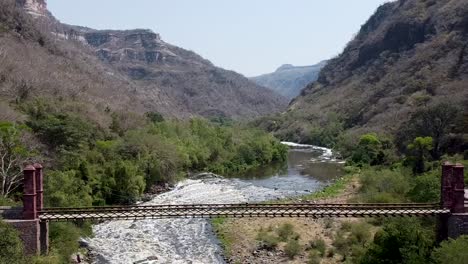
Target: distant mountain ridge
[{"x": 289, "y": 80}]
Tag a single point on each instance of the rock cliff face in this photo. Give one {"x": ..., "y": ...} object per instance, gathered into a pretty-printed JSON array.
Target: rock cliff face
[
  {"x": 192, "y": 84},
  {"x": 289, "y": 80},
  {"x": 139, "y": 46},
  {"x": 34, "y": 7},
  {"x": 410, "y": 54}
]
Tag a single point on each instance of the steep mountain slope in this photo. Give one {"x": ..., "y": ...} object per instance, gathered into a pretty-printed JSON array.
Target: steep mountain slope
[
  {"x": 289, "y": 80},
  {"x": 156, "y": 76},
  {"x": 408, "y": 55},
  {"x": 194, "y": 84},
  {"x": 35, "y": 64}
]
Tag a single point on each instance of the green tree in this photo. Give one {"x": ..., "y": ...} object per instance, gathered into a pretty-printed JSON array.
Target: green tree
[
  {"x": 433, "y": 121},
  {"x": 426, "y": 188},
  {"x": 66, "y": 189},
  {"x": 368, "y": 151},
  {"x": 129, "y": 182},
  {"x": 326, "y": 133},
  {"x": 154, "y": 117},
  {"x": 420, "y": 148},
  {"x": 64, "y": 239},
  {"x": 63, "y": 130},
  {"x": 13, "y": 153},
  {"x": 11, "y": 246},
  {"x": 402, "y": 240},
  {"x": 452, "y": 251}
]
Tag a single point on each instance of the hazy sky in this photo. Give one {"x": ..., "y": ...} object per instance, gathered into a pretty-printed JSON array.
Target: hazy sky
[{"x": 249, "y": 36}]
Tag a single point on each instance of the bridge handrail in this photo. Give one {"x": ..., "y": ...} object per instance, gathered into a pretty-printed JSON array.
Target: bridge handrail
[
  {"x": 215, "y": 207},
  {"x": 245, "y": 205}
]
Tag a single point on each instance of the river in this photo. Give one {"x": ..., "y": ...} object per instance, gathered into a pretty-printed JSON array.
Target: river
[{"x": 308, "y": 169}]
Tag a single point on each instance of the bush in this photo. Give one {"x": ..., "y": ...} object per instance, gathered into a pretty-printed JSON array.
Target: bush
[
  {"x": 154, "y": 117},
  {"x": 64, "y": 130},
  {"x": 352, "y": 239},
  {"x": 66, "y": 189},
  {"x": 426, "y": 188},
  {"x": 8, "y": 202},
  {"x": 292, "y": 248},
  {"x": 52, "y": 258},
  {"x": 314, "y": 257},
  {"x": 402, "y": 240},
  {"x": 319, "y": 245},
  {"x": 420, "y": 149},
  {"x": 422, "y": 124},
  {"x": 64, "y": 240},
  {"x": 285, "y": 231},
  {"x": 267, "y": 241},
  {"x": 11, "y": 246},
  {"x": 326, "y": 134},
  {"x": 372, "y": 150},
  {"x": 382, "y": 186},
  {"x": 452, "y": 251}
]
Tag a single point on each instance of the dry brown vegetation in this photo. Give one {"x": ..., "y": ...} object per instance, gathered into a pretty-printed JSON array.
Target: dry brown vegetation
[
  {"x": 408, "y": 55},
  {"x": 316, "y": 237},
  {"x": 40, "y": 57}
]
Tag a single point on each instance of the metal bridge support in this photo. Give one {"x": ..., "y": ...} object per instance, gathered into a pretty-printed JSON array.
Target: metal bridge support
[
  {"x": 33, "y": 233},
  {"x": 43, "y": 226},
  {"x": 452, "y": 197}
]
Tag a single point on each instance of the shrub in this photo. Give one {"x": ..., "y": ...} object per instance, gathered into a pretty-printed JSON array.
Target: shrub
[
  {"x": 292, "y": 248},
  {"x": 372, "y": 150},
  {"x": 64, "y": 130},
  {"x": 267, "y": 241},
  {"x": 66, "y": 189},
  {"x": 11, "y": 246},
  {"x": 64, "y": 240},
  {"x": 452, "y": 251},
  {"x": 426, "y": 188},
  {"x": 8, "y": 202},
  {"x": 319, "y": 245},
  {"x": 52, "y": 258},
  {"x": 285, "y": 231},
  {"x": 351, "y": 240},
  {"x": 436, "y": 121},
  {"x": 420, "y": 148},
  {"x": 154, "y": 117},
  {"x": 402, "y": 240},
  {"x": 314, "y": 258},
  {"x": 384, "y": 185}
]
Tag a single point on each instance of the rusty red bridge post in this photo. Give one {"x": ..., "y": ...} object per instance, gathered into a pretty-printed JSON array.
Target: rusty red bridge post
[
  {"x": 29, "y": 194},
  {"x": 452, "y": 197},
  {"x": 43, "y": 226},
  {"x": 28, "y": 225},
  {"x": 39, "y": 187},
  {"x": 33, "y": 232}
]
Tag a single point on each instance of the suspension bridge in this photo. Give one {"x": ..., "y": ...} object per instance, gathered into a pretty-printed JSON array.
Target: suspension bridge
[
  {"x": 310, "y": 210},
  {"x": 33, "y": 218}
]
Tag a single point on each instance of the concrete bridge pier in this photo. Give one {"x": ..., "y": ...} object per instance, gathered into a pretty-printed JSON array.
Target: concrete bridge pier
[
  {"x": 452, "y": 196},
  {"x": 33, "y": 233}
]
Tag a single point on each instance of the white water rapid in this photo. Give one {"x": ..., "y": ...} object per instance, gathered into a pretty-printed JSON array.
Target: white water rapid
[{"x": 180, "y": 240}]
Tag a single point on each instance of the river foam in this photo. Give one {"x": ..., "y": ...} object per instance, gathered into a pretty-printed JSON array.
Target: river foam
[
  {"x": 182, "y": 240},
  {"x": 174, "y": 240}
]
